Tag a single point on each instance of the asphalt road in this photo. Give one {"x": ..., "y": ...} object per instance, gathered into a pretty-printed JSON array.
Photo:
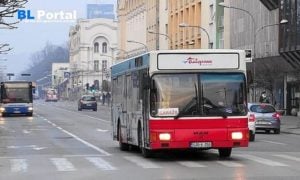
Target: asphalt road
[{"x": 59, "y": 142}]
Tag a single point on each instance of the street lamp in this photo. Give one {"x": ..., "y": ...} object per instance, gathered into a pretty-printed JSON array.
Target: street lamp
[
  {"x": 145, "y": 46},
  {"x": 162, "y": 34},
  {"x": 203, "y": 29}
]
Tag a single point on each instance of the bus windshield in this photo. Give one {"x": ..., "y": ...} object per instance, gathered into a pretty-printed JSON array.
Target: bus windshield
[
  {"x": 16, "y": 95},
  {"x": 198, "y": 94}
]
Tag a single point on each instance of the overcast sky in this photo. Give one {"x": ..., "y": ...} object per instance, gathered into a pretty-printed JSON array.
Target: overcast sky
[{"x": 32, "y": 37}]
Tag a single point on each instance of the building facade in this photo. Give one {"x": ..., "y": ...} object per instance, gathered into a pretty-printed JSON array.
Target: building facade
[
  {"x": 60, "y": 74},
  {"x": 92, "y": 52},
  {"x": 256, "y": 25}
]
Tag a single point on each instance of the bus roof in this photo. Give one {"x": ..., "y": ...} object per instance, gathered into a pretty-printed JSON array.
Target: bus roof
[{"x": 184, "y": 59}]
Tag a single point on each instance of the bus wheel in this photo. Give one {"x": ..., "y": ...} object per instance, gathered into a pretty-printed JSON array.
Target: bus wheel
[
  {"x": 145, "y": 152},
  {"x": 123, "y": 146},
  {"x": 225, "y": 152}
]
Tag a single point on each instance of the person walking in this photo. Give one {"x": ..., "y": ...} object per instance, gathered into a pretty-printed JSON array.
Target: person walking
[
  {"x": 108, "y": 96},
  {"x": 263, "y": 98}
]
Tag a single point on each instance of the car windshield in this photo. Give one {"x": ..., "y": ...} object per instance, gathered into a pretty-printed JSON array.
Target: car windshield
[
  {"x": 262, "y": 108},
  {"x": 88, "y": 98},
  {"x": 203, "y": 94}
]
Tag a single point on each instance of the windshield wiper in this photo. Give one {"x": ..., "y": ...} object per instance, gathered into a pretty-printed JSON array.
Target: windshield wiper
[{"x": 219, "y": 112}]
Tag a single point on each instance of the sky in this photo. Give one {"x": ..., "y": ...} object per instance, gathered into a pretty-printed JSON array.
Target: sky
[{"x": 31, "y": 37}]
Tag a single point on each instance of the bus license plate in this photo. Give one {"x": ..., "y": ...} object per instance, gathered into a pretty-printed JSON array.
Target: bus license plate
[{"x": 200, "y": 144}]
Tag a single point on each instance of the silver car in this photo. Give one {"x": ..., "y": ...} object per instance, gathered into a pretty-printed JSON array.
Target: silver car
[{"x": 266, "y": 117}]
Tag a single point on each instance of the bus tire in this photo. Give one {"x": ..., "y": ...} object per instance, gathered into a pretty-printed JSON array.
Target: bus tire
[
  {"x": 224, "y": 152},
  {"x": 122, "y": 146},
  {"x": 252, "y": 136},
  {"x": 145, "y": 152}
]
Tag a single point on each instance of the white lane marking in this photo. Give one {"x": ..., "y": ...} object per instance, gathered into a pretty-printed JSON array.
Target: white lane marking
[
  {"x": 287, "y": 157},
  {"x": 102, "y": 130},
  {"x": 26, "y": 131},
  {"x": 142, "y": 162},
  {"x": 190, "y": 164},
  {"x": 18, "y": 165},
  {"x": 63, "y": 164},
  {"x": 262, "y": 160},
  {"x": 273, "y": 142},
  {"x": 80, "y": 140},
  {"x": 230, "y": 164},
  {"x": 100, "y": 163},
  {"x": 98, "y": 119}
]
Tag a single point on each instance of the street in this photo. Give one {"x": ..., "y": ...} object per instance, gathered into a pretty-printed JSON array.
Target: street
[{"x": 59, "y": 142}]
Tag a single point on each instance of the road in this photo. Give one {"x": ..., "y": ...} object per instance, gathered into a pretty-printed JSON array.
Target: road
[{"x": 59, "y": 142}]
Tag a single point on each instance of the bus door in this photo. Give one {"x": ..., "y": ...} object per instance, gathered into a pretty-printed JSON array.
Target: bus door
[
  {"x": 124, "y": 109},
  {"x": 128, "y": 107}
]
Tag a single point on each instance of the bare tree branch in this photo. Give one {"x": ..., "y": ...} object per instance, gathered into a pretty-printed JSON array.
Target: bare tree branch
[
  {"x": 4, "y": 48},
  {"x": 7, "y": 9}
]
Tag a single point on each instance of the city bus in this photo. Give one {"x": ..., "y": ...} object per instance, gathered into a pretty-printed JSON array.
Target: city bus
[
  {"x": 16, "y": 98},
  {"x": 181, "y": 100}
]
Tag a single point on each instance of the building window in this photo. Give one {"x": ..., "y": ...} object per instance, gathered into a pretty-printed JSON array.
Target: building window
[
  {"x": 96, "y": 47},
  {"x": 96, "y": 65},
  {"x": 104, "y": 66},
  {"x": 104, "y": 47}
]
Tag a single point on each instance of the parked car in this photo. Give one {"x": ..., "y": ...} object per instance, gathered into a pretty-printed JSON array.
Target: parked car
[
  {"x": 87, "y": 102},
  {"x": 266, "y": 117}
]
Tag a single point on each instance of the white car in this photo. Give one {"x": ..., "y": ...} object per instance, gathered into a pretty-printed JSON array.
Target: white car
[{"x": 251, "y": 125}]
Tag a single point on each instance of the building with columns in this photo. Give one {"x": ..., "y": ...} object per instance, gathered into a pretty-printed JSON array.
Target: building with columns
[{"x": 92, "y": 52}]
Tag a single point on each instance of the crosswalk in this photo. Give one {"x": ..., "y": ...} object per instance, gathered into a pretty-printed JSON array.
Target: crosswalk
[{"x": 108, "y": 163}]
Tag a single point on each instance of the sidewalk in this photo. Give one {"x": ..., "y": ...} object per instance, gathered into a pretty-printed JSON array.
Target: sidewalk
[{"x": 290, "y": 124}]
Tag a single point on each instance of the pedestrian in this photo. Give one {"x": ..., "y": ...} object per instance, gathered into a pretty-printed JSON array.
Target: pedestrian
[
  {"x": 108, "y": 96},
  {"x": 263, "y": 98},
  {"x": 103, "y": 99}
]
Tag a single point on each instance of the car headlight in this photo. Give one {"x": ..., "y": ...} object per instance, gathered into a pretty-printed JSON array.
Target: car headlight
[
  {"x": 2, "y": 109},
  {"x": 30, "y": 109}
]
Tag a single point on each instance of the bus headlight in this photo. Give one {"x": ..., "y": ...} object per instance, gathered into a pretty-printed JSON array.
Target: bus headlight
[
  {"x": 237, "y": 135},
  {"x": 30, "y": 109},
  {"x": 2, "y": 109},
  {"x": 165, "y": 136}
]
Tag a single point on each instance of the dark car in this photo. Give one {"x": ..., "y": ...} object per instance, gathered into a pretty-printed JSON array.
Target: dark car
[
  {"x": 87, "y": 102},
  {"x": 267, "y": 118}
]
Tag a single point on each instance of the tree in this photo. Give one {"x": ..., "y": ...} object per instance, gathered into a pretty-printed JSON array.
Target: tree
[{"x": 7, "y": 10}]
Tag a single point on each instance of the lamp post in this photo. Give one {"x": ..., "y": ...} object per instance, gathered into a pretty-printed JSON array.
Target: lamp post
[
  {"x": 203, "y": 29},
  {"x": 122, "y": 50},
  {"x": 145, "y": 46},
  {"x": 255, "y": 32},
  {"x": 162, "y": 34}
]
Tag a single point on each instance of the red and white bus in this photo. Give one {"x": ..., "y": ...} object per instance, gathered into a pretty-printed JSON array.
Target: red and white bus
[{"x": 181, "y": 99}]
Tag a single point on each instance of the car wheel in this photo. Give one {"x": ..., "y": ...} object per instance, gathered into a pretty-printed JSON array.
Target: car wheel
[
  {"x": 277, "y": 131},
  {"x": 79, "y": 109},
  {"x": 94, "y": 109},
  {"x": 268, "y": 131},
  {"x": 224, "y": 152},
  {"x": 252, "y": 136}
]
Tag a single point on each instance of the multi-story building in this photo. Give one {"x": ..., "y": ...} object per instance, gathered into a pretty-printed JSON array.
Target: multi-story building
[
  {"x": 59, "y": 78},
  {"x": 255, "y": 24},
  {"x": 144, "y": 24},
  {"x": 92, "y": 52},
  {"x": 196, "y": 24}
]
